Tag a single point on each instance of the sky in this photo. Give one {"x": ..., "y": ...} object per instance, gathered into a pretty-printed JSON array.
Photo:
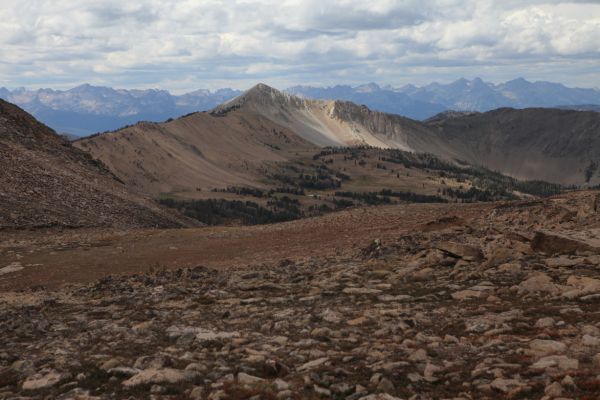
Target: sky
[{"x": 182, "y": 45}]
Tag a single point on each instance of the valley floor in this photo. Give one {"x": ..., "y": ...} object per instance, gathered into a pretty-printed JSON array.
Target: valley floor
[{"x": 451, "y": 301}]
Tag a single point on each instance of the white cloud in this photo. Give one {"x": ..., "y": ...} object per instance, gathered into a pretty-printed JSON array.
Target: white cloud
[{"x": 208, "y": 42}]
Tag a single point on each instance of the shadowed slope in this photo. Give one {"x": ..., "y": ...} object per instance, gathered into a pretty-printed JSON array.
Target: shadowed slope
[
  {"x": 44, "y": 181},
  {"x": 547, "y": 144}
]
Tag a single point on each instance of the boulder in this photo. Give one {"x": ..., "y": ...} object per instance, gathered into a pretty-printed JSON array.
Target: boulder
[
  {"x": 246, "y": 379},
  {"x": 313, "y": 364},
  {"x": 14, "y": 267},
  {"x": 554, "y": 390},
  {"x": 506, "y": 385},
  {"x": 510, "y": 268},
  {"x": 562, "y": 363},
  {"x": 361, "y": 290},
  {"x": 200, "y": 334},
  {"x": 460, "y": 250},
  {"x": 538, "y": 283},
  {"x": 418, "y": 355},
  {"x": 546, "y": 322},
  {"x": 560, "y": 262},
  {"x": 590, "y": 341},
  {"x": 44, "y": 380},
  {"x": 581, "y": 286},
  {"x": 554, "y": 243},
  {"x": 545, "y": 347},
  {"x": 379, "y": 396},
  {"x": 468, "y": 294}
]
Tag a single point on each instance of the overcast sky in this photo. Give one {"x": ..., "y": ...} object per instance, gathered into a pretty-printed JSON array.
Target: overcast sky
[{"x": 181, "y": 45}]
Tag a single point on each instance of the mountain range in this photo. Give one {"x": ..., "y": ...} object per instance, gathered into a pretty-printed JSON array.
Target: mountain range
[
  {"x": 88, "y": 109},
  {"x": 232, "y": 144},
  {"x": 266, "y": 141}
]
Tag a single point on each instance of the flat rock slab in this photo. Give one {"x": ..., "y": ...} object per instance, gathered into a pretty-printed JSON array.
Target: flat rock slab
[
  {"x": 562, "y": 243},
  {"x": 14, "y": 267},
  {"x": 461, "y": 250},
  {"x": 158, "y": 376},
  {"x": 44, "y": 380}
]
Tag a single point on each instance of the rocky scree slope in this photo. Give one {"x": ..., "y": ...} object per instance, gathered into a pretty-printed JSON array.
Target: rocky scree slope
[
  {"x": 329, "y": 122},
  {"x": 501, "y": 306},
  {"x": 46, "y": 182}
]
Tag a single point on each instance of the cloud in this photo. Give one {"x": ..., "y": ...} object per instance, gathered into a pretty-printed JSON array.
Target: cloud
[{"x": 209, "y": 43}]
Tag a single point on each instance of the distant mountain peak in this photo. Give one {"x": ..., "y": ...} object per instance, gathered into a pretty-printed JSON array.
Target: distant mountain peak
[
  {"x": 87, "y": 109},
  {"x": 460, "y": 81},
  {"x": 519, "y": 80},
  {"x": 261, "y": 89},
  {"x": 368, "y": 88},
  {"x": 516, "y": 84},
  {"x": 84, "y": 87},
  {"x": 259, "y": 95},
  {"x": 478, "y": 82}
]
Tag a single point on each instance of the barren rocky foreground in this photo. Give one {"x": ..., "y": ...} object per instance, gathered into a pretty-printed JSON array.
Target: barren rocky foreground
[{"x": 464, "y": 302}]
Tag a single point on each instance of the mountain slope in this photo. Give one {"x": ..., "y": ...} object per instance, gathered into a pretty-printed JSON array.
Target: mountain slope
[
  {"x": 548, "y": 144},
  {"x": 329, "y": 122},
  {"x": 582, "y": 107},
  {"x": 196, "y": 151},
  {"x": 239, "y": 141},
  {"x": 47, "y": 182},
  {"x": 381, "y": 99}
]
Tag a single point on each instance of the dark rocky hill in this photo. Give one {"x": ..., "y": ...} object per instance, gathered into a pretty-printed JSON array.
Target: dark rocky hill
[{"x": 46, "y": 182}]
